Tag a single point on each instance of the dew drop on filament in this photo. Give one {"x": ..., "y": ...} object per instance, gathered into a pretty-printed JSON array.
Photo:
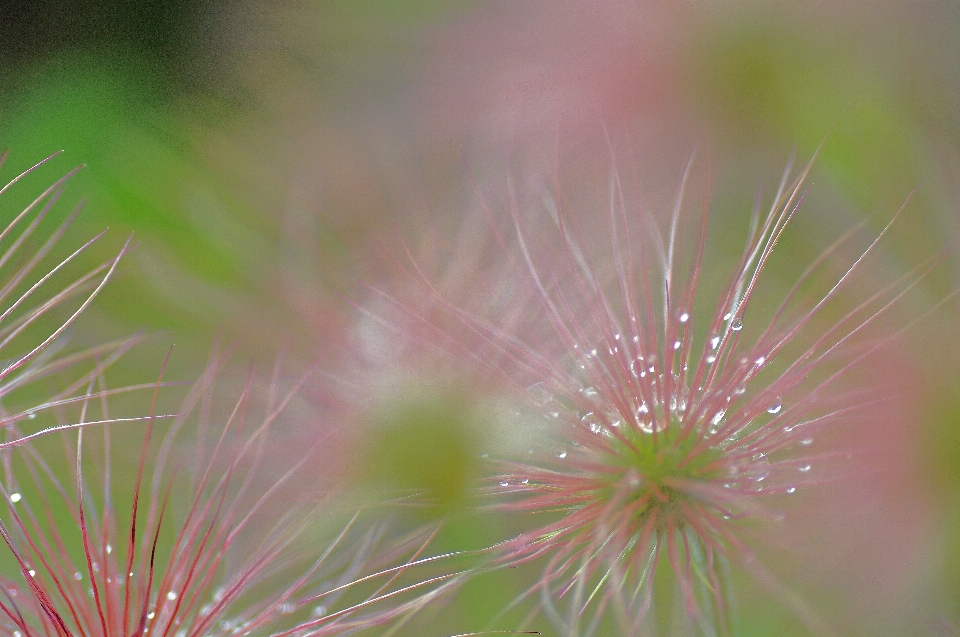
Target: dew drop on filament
[
  {"x": 736, "y": 325},
  {"x": 538, "y": 392},
  {"x": 775, "y": 407},
  {"x": 805, "y": 468},
  {"x": 806, "y": 442},
  {"x": 791, "y": 489},
  {"x": 171, "y": 595},
  {"x": 562, "y": 454},
  {"x": 15, "y": 497},
  {"x": 684, "y": 317}
]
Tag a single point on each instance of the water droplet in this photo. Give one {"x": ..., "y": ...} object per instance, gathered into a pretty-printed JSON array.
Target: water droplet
[
  {"x": 17, "y": 633},
  {"x": 538, "y": 392},
  {"x": 484, "y": 455},
  {"x": 775, "y": 407},
  {"x": 726, "y": 317},
  {"x": 78, "y": 576},
  {"x": 648, "y": 426},
  {"x": 791, "y": 489},
  {"x": 504, "y": 483},
  {"x": 593, "y": 353},
  {"x": 718, "y": 417},
  {"x": 591, "y": 421},
  {"x": 562, "y": 454},
  {"x": 15, "y": 497},
  {"x": 804, "y": 469},
  {"x": 684, "y": 317},
  {"x": 525, "y": 481},
  {"x": 676, "y": 345},
  {"x": 714, "y": 342},
  {"x": 109, "y": 549},
  {"x": 151, "y": 615},
  {"x": 711, "y": 359},
  {"x": 286, "y": 608},
  {"x": 736, "y": 325},
  {"x": 31, "y": 416},
  {"x": 589, "y": 392},
  {"x": 760, "y": 361},
  {"x": 96, "y": 567},
  {"x": 806, "y": 442},
  {"x": 32, "y": 572},
  {"x": 319, "y": 611},
  {"x": 740, "y": 391},
  {"x": 171, "y": 595}
]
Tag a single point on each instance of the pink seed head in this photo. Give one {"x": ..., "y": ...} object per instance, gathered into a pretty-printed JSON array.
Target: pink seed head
[{"x": 682, "y": 421}]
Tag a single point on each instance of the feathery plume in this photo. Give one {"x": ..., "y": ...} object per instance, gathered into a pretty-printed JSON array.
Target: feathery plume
[
  {"x": 24, "y": 277},
  {"x": 207, "y": 536},
  {"x": 681, "y": 429}
]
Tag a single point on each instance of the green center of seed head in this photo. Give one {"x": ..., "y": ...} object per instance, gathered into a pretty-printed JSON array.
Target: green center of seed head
[{"x": 654, "y": 465}]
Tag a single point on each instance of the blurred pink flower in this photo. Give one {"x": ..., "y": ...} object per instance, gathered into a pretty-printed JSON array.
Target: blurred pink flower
[{"x": 518, "y": 71}]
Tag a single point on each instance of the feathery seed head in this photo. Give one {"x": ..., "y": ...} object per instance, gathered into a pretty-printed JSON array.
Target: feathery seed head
[
  {"x": 204, "y": 538},
  {"x": 680, "y": 427}
]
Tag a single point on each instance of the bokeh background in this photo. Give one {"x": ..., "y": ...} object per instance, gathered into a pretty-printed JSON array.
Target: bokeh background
[{"x": 263, "y": 153}]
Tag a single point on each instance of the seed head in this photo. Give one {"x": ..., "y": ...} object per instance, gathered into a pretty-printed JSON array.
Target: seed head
[
  {"x": 206, "y": 536},
  {"x": 683, "y": 422}
]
